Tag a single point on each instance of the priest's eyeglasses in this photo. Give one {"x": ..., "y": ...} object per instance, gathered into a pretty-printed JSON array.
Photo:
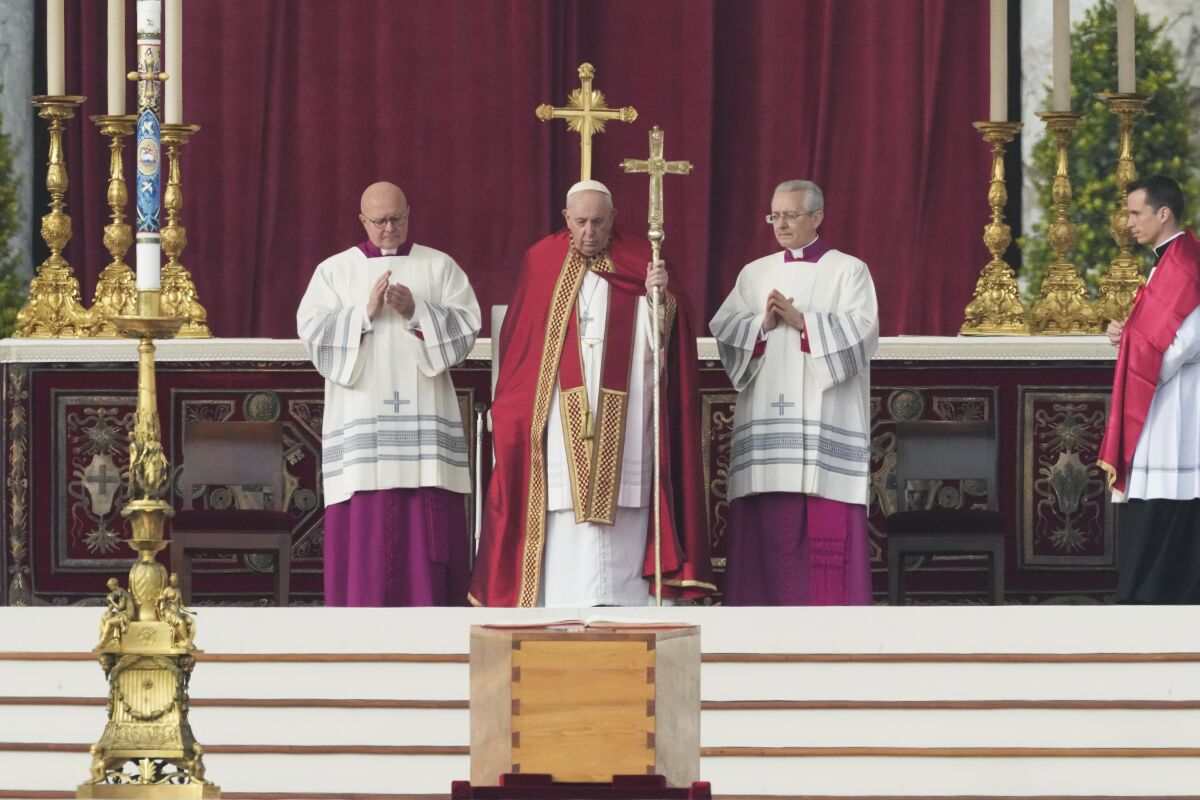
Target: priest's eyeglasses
[
  {"x": 395, "y": 221},
  {"x": 787, "y": 216}
]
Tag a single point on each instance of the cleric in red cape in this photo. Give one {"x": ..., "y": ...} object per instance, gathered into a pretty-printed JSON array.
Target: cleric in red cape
[
  {"x": 567, "y": 520},
  {"x": 1151, "y": 447}
]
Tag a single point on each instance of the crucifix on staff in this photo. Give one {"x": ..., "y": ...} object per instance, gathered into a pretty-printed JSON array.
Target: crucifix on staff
[{"x": 593, "y": 501}]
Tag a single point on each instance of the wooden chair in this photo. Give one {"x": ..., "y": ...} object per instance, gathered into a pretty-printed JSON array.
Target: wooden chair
[
  {"x": 932, "y": 450},
  {"x": 233, "y": 454}
]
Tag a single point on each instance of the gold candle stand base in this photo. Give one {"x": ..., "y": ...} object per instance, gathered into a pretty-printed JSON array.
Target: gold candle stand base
[
  {"x": 996, "y": 308},
  {"x": 1062, "y": 307},
  {"x": 53, "y": 308},
  {"x": 1123, "y": 277},
  {"x": 116, "y": 288},
  {"x": 147, "y": 636},
  {"x": 178, "y": 291}
]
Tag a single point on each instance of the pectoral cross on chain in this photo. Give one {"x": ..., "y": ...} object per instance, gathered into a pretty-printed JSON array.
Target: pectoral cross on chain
[
  {"x": 590, "y": 342},
  {"x": 586, "y": 112},
  {"x": 585, "y": 322}
]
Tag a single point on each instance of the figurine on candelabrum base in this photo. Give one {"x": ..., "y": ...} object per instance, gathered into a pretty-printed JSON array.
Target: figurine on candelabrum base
[
  {"x": 54, "y": 308},
  {"x": 116, "y": 288},
  {"x": 996, "y": 308},
  {"x": 1124, "y": 276},
  {"x": 147, "y": 635},
  {"x": 179, "y": 296},
  {"x": 1062, "y": 307}
]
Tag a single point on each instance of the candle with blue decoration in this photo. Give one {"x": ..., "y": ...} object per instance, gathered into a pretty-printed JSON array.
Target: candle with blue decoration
[{"x": 149, "y": 150}]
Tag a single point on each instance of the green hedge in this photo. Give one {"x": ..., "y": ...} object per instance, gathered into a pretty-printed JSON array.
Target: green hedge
[{"x": 1161, "y": 141}]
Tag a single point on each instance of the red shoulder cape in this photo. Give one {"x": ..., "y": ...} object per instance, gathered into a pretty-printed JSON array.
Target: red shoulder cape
[
  {"x": 508, "y": 567},
  {"x": 1158, "y": 310}
]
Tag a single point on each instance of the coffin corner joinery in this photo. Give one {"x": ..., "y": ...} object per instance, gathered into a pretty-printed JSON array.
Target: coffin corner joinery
[{"x": 585, "y": 701}]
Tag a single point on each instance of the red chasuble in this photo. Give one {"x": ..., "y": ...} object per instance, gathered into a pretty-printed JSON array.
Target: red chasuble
[
  {"x": 533, "y": 346},
  {"x": 1159, "y": 308}
]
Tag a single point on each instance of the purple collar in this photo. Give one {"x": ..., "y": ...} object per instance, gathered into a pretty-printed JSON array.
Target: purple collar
[
  {"x": 371, "y": 251},
  {"x": 810, "y": 253}
]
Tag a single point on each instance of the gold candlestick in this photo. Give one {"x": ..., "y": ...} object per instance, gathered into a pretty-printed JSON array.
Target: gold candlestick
[
  {"x": 1063, "y": 305},
  {"x": 1123, "y": 277},
  {"x": 997, "y": 307},
  {"x": 53, "y": 308},
  {"x": 178, "y": 291},
  {"x": 116, "y": 289},
  {"x": 147, "y": 636}
]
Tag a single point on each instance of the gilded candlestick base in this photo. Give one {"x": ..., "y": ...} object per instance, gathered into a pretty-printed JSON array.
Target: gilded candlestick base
[
  {"x": 179, "y": 296},
  {"x": 1062, "y": 307},
  {"x": 1123, "y": 278},
  {"x": 116, "y": 289},
  {"x": 147, "y": 635},
  {"x": 147, "y": 652},
  {"x": 54, "y": 308},
  {"x": 996, "y": 308}
]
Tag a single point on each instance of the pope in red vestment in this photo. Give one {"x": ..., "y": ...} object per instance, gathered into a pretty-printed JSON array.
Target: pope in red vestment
[{"x": 539, "y": 349}]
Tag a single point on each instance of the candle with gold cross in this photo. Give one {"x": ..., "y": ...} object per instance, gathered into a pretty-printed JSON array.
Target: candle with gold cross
[
  {"x": 586, "y": 113},
  {"x": 148, "y": 155}
]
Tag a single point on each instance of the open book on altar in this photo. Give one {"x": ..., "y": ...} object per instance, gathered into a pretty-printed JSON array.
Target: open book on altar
[{"x": 598, "y": 623}]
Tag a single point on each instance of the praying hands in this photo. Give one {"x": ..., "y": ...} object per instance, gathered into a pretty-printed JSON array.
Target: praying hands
[
  {"x": 400, "y": 298},
  {"x": 375, "y": 298},
  {"x": 780, "y": 309}
]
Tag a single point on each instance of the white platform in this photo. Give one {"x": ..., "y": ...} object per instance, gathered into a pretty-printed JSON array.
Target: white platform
[
  {"x": 891, "y": 349},
  {"x": 959, "y": 701}
]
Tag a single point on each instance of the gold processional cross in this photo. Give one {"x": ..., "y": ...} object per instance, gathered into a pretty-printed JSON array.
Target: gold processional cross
[
  {"x": 586, "y": 112},
  {"x": 656, "y": 166}
]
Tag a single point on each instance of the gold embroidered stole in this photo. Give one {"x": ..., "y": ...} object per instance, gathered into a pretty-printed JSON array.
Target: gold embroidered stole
[{"x": 595, "y": 443}]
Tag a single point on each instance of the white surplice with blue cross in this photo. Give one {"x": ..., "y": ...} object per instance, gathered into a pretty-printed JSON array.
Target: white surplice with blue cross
[
  {"x": 802, "y": 422},
  {"x": 391, "y": 418}
]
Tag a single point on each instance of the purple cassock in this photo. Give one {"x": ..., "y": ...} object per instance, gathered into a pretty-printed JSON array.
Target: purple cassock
[
  {"x": 790, "y": 549},
  {"x": 397, "y": 547}
]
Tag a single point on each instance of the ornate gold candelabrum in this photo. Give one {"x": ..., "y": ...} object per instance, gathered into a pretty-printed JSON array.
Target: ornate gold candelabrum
[
  {"x": 178, "y": 291},
  {"x": 1123, "y": 277},
  {"x": 996, "y": 308},
  {"x": 1062, "y": 306},
  {"x": 147, "y": 636},
  {"x": 53, "y": 308},
  {"x": 116, "y": 289}
]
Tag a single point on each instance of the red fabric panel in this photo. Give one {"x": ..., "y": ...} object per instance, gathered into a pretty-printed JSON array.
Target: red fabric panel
[{"x": 303, "y": 104}]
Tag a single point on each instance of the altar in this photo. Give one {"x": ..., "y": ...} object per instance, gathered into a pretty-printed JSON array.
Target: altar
[{"x": 68, "y": 407}]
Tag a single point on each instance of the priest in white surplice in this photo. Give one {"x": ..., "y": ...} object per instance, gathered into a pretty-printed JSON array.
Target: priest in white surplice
[
  {"x": 384, "y": 321},
  {"x": 796, "y": 337},
  {"x": 1151, "y": 447}
]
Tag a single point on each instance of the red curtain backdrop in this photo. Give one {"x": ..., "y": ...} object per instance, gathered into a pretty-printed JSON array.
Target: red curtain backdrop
[{"x": 302, "y": 104}]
